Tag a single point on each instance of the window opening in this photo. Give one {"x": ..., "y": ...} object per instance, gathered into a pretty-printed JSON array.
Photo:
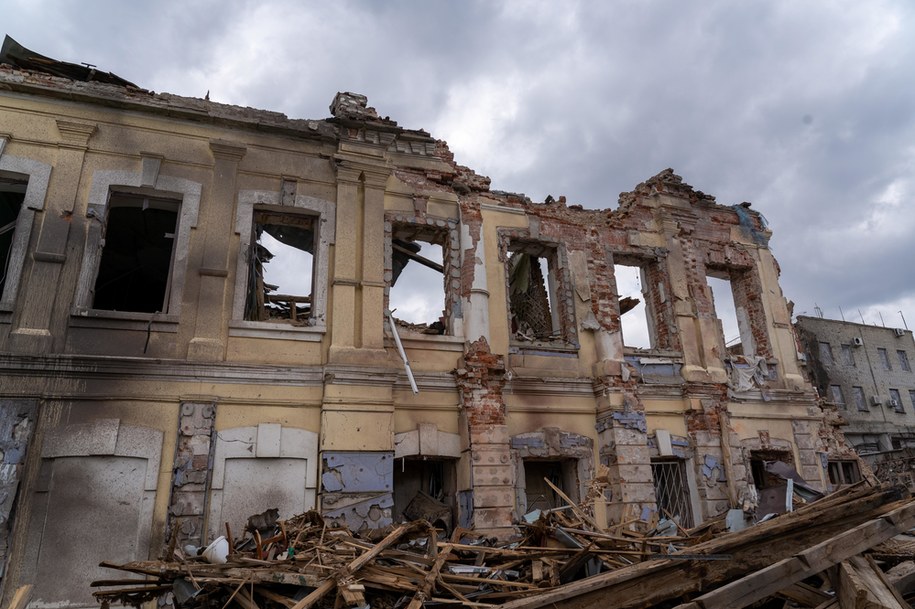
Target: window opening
[
  {"x": 884, "y": 358},
  {"x": 848, "y": 356},
  {"x": 672, "y": 490},
  {"x": 837, "y": 396},
  {"x": 842, "y": 473},
  {"x": 633, "y": 312},
  {"x": 826, "y": 353},
  {"x": 533, "y": 293},
  {"x": 560, "y": 473},
  {"x": 417, "y": 289},
  {"x": 726, "y": 311},
  {"x": 281, "y": 268},
  {"x": 12, "y": 194},
  {"x": 860, "y": 401},
  {"x": 896, "y": 400},
  {"x": 135, "y": 269},
  {"x": 425, "y": 489},
  {"x": 904, "y": 360}
]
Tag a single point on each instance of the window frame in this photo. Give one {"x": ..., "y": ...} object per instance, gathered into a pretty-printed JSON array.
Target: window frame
[
  {"x": 858, "y": 392},
  {"x": 884, "y": 356},
  {"x": 325, "y": 222},
  {"x": 903, "y": 360},
  {"x": 824, "y": 351},
  {"x": 897, "y": 397},
  {"x": 37, "y": 176},
  {"x": 837, "y": 389},
  {"x": 105, "y": 183},
  {"x": 848, "y": 355}
]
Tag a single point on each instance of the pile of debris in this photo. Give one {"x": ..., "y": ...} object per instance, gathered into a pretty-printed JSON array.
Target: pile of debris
[{"x": 563, "y": 560}]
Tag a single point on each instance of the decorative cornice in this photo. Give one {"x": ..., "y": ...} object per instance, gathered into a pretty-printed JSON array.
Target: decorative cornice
[
  {"x": 230, "y": 151},
  {"x": 75, "y": 135}
]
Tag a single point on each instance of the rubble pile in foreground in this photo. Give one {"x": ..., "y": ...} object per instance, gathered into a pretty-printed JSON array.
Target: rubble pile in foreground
[{"x": 816, "y": 556}]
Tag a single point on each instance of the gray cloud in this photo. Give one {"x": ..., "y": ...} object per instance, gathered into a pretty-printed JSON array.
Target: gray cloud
[{"x": 805, "y": 109}]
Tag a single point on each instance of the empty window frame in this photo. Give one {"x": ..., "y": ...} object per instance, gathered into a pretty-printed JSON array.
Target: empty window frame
[
  {"x": 842, "y": 473},
  {"x": 903, "y": 360},
  {"x": 135, "y": 270},
  {"x": 634, "y": 312},
  {"x": 425, "y": 489},
  {"x": 884, "y": 358},
  {"x": 848, "y": 356},
  {"x": 739, "y": 309},
  {"x": 860, "y": 401},
  {"x": 562, "y": 474},
  {"x": 825, "y": 350},
  {"x": 671, "y": 489},
  {"x": 912, "y": 397},
  {"x": 896, "y": 401},
  {"x": 420, "y": 289},
  {"x": 12, "y": 195},
  {"x": 838, "y": 398},
  {"x": 281, "y": 267},
  {"x": 538, "y": 310}
]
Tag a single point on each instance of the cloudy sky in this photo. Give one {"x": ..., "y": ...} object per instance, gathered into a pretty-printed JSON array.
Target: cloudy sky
[{"x": 806, "y": 109}]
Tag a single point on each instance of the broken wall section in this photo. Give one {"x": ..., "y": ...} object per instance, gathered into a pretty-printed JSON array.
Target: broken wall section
[{"x": 17, "y": 421}]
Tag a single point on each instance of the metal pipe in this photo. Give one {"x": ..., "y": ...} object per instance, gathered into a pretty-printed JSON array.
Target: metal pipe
[{"x": 403, "y": 354}]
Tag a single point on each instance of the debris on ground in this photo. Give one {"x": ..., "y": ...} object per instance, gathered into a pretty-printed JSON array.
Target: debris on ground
[{"x": 827, "y": 553}]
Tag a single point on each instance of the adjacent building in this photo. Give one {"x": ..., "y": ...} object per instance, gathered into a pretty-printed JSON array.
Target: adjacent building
[
  {"x": 865, "y": 372},
  {"x": 194, "y": 327}
]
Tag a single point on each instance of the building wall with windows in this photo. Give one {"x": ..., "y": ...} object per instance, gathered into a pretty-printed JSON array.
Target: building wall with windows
[
  {"x": 194, "y": 323},
  {"x": 866, "y": 372}
]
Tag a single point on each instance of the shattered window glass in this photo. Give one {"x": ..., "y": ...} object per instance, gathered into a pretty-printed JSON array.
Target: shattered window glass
[
  {"x": 280, "y": 269},
  {"x": 896, "y": 400},
  {"x": 12, "y": 193},
  {"x": 416, "y": 292},
  {"x": 135, "y": 270}
]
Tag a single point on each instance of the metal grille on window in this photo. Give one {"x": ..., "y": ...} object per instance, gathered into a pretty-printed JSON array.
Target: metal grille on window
[{"x": 672, "y": 491}]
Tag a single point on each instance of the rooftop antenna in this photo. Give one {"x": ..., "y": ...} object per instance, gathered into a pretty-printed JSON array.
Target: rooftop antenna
[
  {"x": 861, "y": 316},
  {"x": 903, "y": 320},
  {"x": 841, "y": 312},
  {"x": 882, "y": 323},
  {"x": 819, "y": 311}
]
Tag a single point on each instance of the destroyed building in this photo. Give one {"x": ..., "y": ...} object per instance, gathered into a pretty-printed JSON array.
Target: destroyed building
[
  {"x": 865, "y": 373},
  {"x": 161, "y": 376}
]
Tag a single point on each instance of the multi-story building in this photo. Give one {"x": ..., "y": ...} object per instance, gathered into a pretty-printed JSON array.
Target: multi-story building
[
  {"x": 866, "y": 372},
  {"x": 193, "y": 329}
]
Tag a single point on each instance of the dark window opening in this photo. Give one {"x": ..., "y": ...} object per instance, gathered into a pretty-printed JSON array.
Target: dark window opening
[
  {"x": 419, "y": 279},
  {"x": 634, "y": 322},
  {"x": 904, "y": 360},
  {"x": 281, "y": 268},
  {"x": 425, "y": 489},
  {"x": 860, "y": 400},
  {"x": 671, "y": 489},
  {"x": 842, "y": 473},
  {"x": 533, "y": 288},
  {"x": 562, "y": 474},
  {"x": 12, "y": 194},
  {"x": 884, "y": 358},
  {"x": 826, "y": 353},
  {"x": 135, "y": 269}
]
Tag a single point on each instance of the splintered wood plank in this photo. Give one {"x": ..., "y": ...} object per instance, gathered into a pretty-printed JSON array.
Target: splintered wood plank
[
  {"x": 806, "y": 595},
  {"x": 861, "y": 588}
]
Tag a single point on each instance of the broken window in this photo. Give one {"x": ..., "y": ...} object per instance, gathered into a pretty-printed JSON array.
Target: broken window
[
  {"x": 730, "y": 327},
  {"x": 672, "y": 490},
  {"x": 739, "y": 308},
  {"x": 838, "y": 398},
  {"x": 634, "y": 320},
  {"x": 896, "y": 400},
  {"x": 280, "y": 268},
  {"x": 534, "y": 278},
  {"x": 903, "y": 360},
  {"x": 860, "y": 401},
  {"x": 842, "y": 473},
  {"x": 562, "y": 474},
  {"x": 419, "y": 276},
  {"x": 425, "y": 489},
  {"x": 884, "y": 358},
  {"x": 12, "y": 194},
  {"x": 848, "y": 356},
  {"x": 135, "y": 269}
]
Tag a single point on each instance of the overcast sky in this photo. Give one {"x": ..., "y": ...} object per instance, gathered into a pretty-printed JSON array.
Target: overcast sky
[{"x": 804, "y": 108}]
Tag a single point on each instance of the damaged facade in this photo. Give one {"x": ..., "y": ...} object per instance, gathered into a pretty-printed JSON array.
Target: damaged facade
[{"x": 162, "y": 376}]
